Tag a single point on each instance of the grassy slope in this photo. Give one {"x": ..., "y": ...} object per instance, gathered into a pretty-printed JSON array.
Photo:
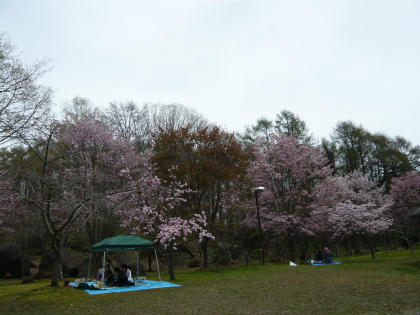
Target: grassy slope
[{"x": 391, "y": 284}]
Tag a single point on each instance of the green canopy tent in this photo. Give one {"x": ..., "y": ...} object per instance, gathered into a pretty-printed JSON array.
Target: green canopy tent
[{"x": 124, "y": 243}]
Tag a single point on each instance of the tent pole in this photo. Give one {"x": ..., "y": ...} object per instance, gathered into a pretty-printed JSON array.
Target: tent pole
[
  {"x": 103, "y": 270},
  {"x": 157, "y": 265},
  {"x": 137, "y": 264},
  {"x": 90, "y": 258}
]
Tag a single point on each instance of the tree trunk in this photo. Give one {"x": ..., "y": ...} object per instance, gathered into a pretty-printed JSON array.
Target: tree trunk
[
  {"x": 410, "y": 246},
  {"x": 355, "y": 246},
  {"x": 348, "y": 250},
  {"x": 291, "y": 249},
  {"x": 150, "y": 263},
  {"x": 171, "y": 263},
  {"x": 394, "y": 244},
  {"x": 204, "y": 247},
  {"x": 24, "y": 248},
  {"x": 386, "y": 244},
  {"x": 247, "y": 255},
  {"x": 372, "y": 247},
  {"x": 57, "y": 273},
  {"x": 372, "y": 252},
  {"x": 407, "y": 240},
  {"x": 94, "y": 237},
  {"x": 23, "y": 267}
]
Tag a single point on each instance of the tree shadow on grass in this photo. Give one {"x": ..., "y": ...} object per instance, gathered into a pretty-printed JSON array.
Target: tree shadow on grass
[{"x": 412, "y": 267}]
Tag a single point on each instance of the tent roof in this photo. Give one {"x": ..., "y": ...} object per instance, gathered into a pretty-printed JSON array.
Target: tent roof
[{"x": 122, "y": 242}]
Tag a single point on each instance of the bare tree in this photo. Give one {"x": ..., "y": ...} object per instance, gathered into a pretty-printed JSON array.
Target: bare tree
[
  {"x": 174, "y": 117},
  {"x": 130, "y": 122},
  {"x": 139, "y": 124},
  {"x": 81, "y": 108},
  {"x": 23, "y": 101}
]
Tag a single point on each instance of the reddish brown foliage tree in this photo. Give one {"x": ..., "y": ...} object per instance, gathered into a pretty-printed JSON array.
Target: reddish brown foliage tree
[{"x": 210, "y": 161}]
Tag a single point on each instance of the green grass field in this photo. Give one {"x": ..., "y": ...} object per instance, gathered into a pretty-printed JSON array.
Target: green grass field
[{"x": 389, "y": 285}]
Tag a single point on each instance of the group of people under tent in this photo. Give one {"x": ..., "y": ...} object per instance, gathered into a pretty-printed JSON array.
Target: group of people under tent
[
  {"x": 322, "y": 256},
  {"x": 119, "y": 277}
]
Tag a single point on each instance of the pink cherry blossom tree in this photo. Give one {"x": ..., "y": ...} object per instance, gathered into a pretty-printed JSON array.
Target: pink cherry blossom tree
[
  {"x": 405, "y": 192},
  {"x": 8, "y": 200},
  {"x": 76, "y": 172},
  {"x": 17, "y": 220},
  {"x": 155, "y": 207},
  {"x": 99, "y": 159},
  {"x": 289, "y": 171},
  {"x": 328, "y": 193},
  {"x": 352, "y": 206}
]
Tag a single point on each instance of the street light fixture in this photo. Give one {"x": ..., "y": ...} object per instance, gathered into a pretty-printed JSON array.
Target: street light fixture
[{"x": 256, "y": 190}]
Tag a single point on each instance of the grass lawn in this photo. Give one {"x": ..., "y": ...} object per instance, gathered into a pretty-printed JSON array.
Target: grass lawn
[{"x": 389, "y": 285}]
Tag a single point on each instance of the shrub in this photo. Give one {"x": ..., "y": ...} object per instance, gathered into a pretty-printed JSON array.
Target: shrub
[
  {"x": 222, "y": 260},
  {"x": 195, "y": 262}
]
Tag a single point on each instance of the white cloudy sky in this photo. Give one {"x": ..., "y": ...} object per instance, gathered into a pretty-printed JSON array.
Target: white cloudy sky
[{"x": 233, "y": 61}]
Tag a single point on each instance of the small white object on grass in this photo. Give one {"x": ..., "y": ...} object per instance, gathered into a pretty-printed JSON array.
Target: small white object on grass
[{"x": 292, "y": 264}]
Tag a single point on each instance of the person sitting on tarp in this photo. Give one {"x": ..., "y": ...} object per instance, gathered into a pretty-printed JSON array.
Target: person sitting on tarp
[
  {"x": 328, "y": 256},
  {"x": 122, "y": 279},
  {"x": 109, "y": 276},
  {"x": 127, "y": 271},
  {"x": 99, "y": 274},
  {"x": 318, "y": 257},
  {"x": 108, "y": 271}
]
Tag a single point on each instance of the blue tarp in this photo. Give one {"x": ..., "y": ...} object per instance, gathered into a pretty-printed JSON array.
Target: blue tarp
[
  {"x": 326, "y": 264},
  {"x": 149, "y": 284}
]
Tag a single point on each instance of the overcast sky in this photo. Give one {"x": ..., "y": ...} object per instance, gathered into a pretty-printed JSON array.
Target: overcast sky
[{"x": 233, "y": 61}]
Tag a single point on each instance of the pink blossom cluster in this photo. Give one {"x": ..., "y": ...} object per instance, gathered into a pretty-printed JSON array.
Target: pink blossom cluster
[
  {"x": 154, "y": 207},
  {"x": 352, "y": 204},
  {"x": 405, "y": 191},
  {"x": 96, "y": 149},
  {"x": 174, "y": 229},
  {"x": 99, "y": 164},
  {"x": 289, "y": 171},
  {"x": 301, "y": 195},
  {"x": 86, "y": 167}
]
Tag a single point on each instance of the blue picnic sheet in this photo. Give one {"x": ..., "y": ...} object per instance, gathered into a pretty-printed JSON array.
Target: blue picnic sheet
[
  {"x": 326, "y": 264},
  {"x": 148, "y": 285}
]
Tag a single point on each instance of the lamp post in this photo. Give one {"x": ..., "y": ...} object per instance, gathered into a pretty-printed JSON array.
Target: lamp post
[{"x": 256, "y": 190}]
